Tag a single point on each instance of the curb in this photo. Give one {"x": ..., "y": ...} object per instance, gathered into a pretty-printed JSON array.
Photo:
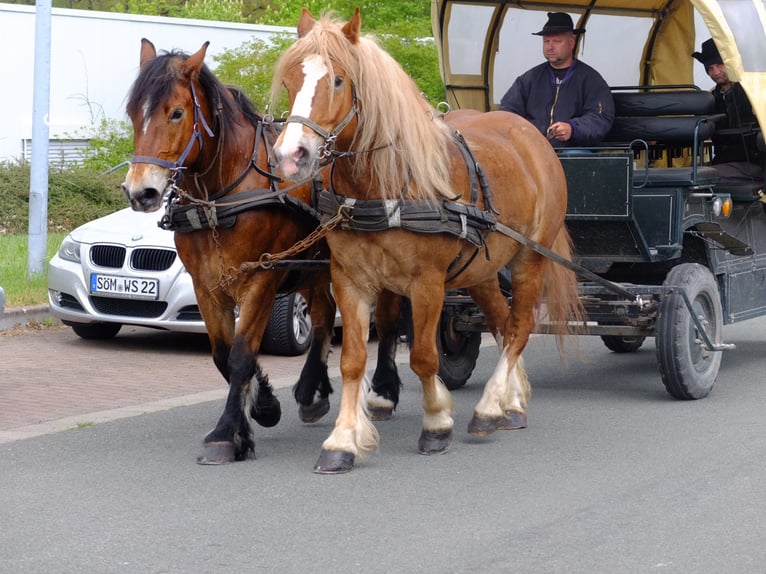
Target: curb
[{"x": 19, "y": 317}]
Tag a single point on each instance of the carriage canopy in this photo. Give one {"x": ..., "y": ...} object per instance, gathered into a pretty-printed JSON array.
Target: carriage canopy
[{"x": 485, "y": 44}]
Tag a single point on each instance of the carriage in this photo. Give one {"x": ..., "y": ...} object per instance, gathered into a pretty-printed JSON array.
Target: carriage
[
  {"x": 663, "y": 249},
  {"x": 455, "y": 212}
]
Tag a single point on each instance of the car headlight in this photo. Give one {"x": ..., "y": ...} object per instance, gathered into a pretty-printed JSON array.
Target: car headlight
[{"x": 70, "y": 249}]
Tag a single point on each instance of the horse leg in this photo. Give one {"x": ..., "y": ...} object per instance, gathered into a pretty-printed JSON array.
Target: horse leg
[
  {"x": 384, "y": 393},
  {"x": 354, "y": 435},
  {"x": 436, "y": 435},
  {"x": 312, "y": 391},
  {"x": 503, "y": 402},
  {"x": 232, "y": 438}
]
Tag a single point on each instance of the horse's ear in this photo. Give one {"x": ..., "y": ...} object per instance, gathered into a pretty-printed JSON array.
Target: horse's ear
[
  {"x": 352, "y": 27},
  {"x": 306, "y": 23},
  {"x": 148, "y": 52},
  {"x": 193, "y": 64}
]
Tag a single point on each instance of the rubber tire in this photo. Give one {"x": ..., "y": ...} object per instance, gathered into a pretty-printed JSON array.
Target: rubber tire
[
  {"x": 458, "y": 353},
  {"x": 288, "y": 332},
  {"x": 93, "y": 331},
  {"x": 622, "y": 344},
  {"x": 689, "y": 370}
]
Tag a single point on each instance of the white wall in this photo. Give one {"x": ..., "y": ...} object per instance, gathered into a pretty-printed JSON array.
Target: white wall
[{"x": 94, "y": 60}]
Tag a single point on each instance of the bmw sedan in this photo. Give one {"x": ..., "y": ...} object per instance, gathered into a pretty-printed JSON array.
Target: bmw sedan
[{"x": 122, "y": 269}]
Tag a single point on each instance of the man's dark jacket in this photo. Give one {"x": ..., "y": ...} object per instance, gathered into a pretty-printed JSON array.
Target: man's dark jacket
[
  {"x": 735, "y": 137},
  {"x": 584, "y": 101}
]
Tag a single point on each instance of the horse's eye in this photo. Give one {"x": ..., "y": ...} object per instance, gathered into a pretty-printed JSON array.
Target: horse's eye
[
  {"x": 177, "y": 114},
  {"x": 338, "y": 81}
]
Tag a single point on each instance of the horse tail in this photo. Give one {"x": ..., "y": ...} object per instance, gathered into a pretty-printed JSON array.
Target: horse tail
[{"x": 565, "y": 310}]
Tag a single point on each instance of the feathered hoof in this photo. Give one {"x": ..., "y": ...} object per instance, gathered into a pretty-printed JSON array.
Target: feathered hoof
[
  {"x": 314, "y": 412},
  {"x": 513, "y": 420},
  {"x": 434, "y": 442},
  {"x": 381, "y": 413},
  {"x": 266, "y": 413},
  {"x": 214, "y": 453},
  {"x": 483, "y": 427},
  {"x": 334, "y": 462}
]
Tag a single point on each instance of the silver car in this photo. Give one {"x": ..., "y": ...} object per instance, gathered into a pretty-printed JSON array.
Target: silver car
[{"x": 122, "y": 269}]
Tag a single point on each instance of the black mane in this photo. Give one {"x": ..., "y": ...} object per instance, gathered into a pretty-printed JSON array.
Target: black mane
[{"x": 156, "y": 80}]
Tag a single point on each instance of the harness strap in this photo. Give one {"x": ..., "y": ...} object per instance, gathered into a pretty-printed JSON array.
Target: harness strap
[{"x": 186, "y": 218}]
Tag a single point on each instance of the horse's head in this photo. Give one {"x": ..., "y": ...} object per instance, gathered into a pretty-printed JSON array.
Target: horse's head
[
  {"x": 317, "y": 72},
  {"x": 167, "y": 108}
]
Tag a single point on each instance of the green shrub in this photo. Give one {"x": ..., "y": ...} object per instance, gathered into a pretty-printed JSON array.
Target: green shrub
[{"x": 76, "y": 195}]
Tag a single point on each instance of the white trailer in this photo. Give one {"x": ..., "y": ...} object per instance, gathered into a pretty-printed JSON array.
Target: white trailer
[{"x": 94, "y": 60}]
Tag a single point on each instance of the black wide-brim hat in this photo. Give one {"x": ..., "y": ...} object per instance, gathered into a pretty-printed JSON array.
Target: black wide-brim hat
[
  {"x": 558, "y": 23},
  {"x": 709, "y": 54}
]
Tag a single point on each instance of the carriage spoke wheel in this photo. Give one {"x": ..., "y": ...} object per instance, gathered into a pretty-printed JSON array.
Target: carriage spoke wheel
[
  {"x": 458, "y": 351},
  {"x": 688, "y": 368}
]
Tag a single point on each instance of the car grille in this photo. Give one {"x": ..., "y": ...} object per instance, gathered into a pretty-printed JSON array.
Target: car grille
[
  {"x": 129, "y": 307},
  {"x": 69, "y": 302},
  {"x": 107, "y": 255},
  {"x": 152, "y": 259},
  {"x": 189, "y": 313}
]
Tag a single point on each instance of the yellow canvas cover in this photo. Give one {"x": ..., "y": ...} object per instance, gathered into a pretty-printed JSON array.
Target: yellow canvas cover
[{"x": 737, "y": 26}]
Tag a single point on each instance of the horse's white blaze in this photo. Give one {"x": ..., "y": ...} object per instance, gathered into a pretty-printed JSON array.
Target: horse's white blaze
[
  {"x": 314, "y": 69},
  {"x": 147, "y": 118}
]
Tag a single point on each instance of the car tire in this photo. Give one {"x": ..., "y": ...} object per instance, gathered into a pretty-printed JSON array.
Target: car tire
[
  {"x": 458, "y": 352},
  {"x": 288, "y": 332},
  {"x": 623, "y": 344},
  {"x": 688, "y": 368},
  {"x": 94, "y": 331}
]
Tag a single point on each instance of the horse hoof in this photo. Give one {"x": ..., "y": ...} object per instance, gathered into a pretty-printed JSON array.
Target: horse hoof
[
  {"x": 314, "y": 412},
  {"x": 434, "y": 442},
  {"x": 513, "y": 420},
  {"x": 381, "y": 413},
  {"x": 217, "y": 453},
  {"x": 482, "y": 427},
  {"x": 266, "y": 413},
  {"x": 334, "y": 462}
]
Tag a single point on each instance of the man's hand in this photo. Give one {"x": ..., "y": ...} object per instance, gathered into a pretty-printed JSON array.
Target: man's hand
[{"x": 560, "y": 131}]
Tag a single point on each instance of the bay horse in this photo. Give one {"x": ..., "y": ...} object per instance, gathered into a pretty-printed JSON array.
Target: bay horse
[
  {"x": 428, "y": 204},
  {"x": 204, "y": 144}
]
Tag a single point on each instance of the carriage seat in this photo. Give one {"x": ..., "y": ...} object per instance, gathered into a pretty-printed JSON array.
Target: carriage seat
[{"x": 666, "y": 119}]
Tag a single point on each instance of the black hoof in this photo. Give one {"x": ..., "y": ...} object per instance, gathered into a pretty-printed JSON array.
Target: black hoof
[
  {"x": 513, "y": 420},
  {"x": 217, "y": 453},
  {"x": 334, "y": 462},
  {"x": 483, "y": 427},
  {"x": 266, "y": 413},
  {"x": 434, "y": 442},
  {"x": 314, "y": 412},
  {"x": 381, "y": 413}
]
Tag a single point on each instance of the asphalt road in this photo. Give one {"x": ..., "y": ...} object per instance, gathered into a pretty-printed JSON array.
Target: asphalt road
[{"x": 612, "y": 476}]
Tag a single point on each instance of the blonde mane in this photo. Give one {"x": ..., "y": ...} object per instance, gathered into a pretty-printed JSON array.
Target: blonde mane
[{"x": 409, "y": 139}]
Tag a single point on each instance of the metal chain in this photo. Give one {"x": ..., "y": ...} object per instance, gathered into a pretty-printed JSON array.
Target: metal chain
[{"x": 266, "y": 260}]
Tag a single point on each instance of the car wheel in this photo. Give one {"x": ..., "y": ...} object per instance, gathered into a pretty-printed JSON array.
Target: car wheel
[
  {"x": 288, "y": 332},
  {"x": 96, "y": 330},
  {"x": 458, "y": 352},
  {"x": 688, "y": 368},
  {"x": 622, "y": 344}
]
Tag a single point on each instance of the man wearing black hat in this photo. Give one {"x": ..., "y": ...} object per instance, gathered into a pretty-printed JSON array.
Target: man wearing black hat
[
  {"x": 735, "y": 151},
  {"x": 564, "y": 98}
]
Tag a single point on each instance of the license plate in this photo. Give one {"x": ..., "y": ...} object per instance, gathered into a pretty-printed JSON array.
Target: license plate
[{"x": 127, "y": 287}]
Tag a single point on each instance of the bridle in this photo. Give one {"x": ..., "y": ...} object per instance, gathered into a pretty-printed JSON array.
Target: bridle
[
  {"x": 177, "y": 167},
  {"x": 327, "y": 149}
]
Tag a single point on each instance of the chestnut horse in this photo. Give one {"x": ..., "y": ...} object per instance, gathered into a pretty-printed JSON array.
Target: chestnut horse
[
  {"x": 204, "y": 143},
  {"x": 486, "y": 177}
]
